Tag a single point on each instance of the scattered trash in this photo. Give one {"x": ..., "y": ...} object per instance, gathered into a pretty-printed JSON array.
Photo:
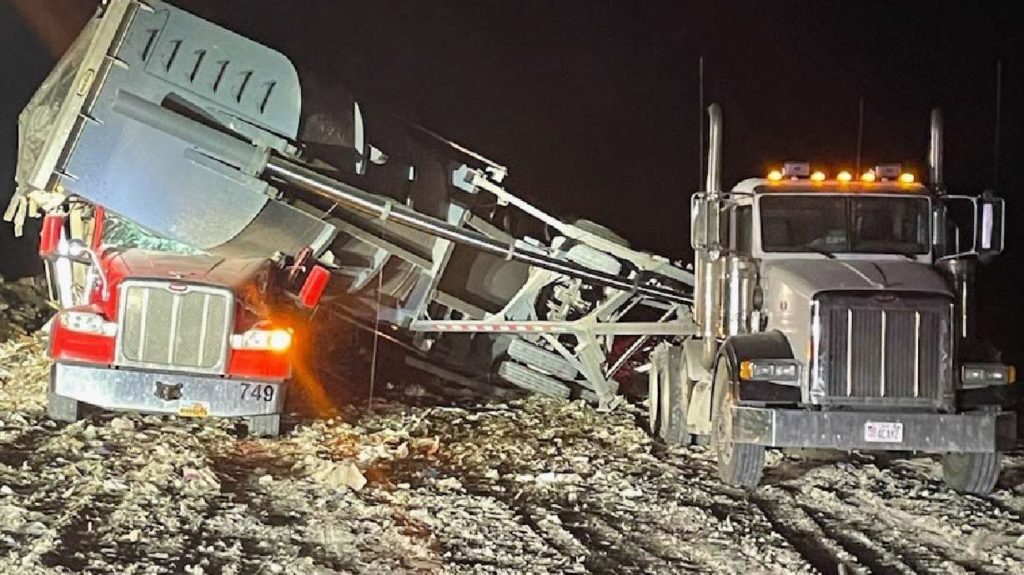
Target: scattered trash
[{"x": 531, "y": 485}]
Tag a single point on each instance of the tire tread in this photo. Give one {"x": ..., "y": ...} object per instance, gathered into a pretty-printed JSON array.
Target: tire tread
[{"x": 975, "y": 473}]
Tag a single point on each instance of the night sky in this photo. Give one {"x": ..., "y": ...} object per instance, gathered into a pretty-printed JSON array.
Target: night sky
[{"x": 593, "y": 106}]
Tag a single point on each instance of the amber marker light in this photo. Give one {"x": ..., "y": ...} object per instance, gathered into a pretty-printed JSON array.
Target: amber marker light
[
  {"x": 280, "y": 340},
  {"x": 818, "y": 176},
  {"x": 774, "y": 176},
  {"x": 868, "y": 177},
  {"x": 844, "y": 176},
  {"x": 906, "y": 178}
]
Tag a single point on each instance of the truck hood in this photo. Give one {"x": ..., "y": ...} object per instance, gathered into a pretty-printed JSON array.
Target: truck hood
[
  {"x": 231, "y": 273},
  {"x": 811, "y": 276}
]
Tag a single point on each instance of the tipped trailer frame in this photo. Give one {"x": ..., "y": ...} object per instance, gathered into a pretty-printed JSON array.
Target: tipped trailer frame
[{"x": 226, "y": 134}]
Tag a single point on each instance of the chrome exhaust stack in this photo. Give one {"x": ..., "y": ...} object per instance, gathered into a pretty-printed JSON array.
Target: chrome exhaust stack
[
  {"x": 714, "y": 181},
  {"x": 935, "y": 152},
  {"x": 708, "y": 300}
]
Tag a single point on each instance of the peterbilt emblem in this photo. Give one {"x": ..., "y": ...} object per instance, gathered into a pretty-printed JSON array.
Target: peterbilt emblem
[{"x": 168, "y": 391}]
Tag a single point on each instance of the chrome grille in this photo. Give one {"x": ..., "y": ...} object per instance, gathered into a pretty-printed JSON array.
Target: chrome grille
[
  {"x": 186, "y": 328},
  {"x": 884, "y": 349}
]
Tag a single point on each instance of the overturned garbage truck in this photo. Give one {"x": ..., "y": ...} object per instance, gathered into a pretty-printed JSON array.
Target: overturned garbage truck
[{"x": 824, "y": 313}]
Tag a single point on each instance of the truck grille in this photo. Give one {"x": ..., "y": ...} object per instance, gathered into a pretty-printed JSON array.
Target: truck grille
[
  {"x": 884, "y": 349},
  {"x": 185, "y": 329}
]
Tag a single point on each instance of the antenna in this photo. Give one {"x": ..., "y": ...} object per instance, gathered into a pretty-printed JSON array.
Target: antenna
[
  {"x": 860, "y": 132},
  {"x": 700, "y": 121},
  {"x": 999, "y": 114}
]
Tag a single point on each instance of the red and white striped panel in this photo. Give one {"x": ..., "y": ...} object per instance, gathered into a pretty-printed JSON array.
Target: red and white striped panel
[{"x": 491, "y": 327}]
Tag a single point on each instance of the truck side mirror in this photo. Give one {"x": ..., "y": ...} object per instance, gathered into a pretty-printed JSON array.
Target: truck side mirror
[
  {"x": 968, "y": 225},
  {"x": 705, "y": 225},
  {"x": 313, "y": 288},
  {"x": 51, "y": 235},
  {"x": 77, "y": 250},
  {"x": 990, "y": 229},
  {"x": 99, "y": 221}
]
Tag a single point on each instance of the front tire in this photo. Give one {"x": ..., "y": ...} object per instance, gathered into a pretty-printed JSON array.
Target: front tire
[
  {"x": 739, "y": 464},
  {"x": 668, "y": 396},
  {"x": 974, "y": 473}
]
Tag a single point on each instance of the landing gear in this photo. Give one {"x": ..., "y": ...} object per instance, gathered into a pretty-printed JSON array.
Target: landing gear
[
  {"x": 974, "y": 473},
  {"x": 739, "y": 464},
  {"x": 668, "y": 395}
]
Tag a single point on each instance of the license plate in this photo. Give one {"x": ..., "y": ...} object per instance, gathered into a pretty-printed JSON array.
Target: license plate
[{"x": 883, "y": 432}]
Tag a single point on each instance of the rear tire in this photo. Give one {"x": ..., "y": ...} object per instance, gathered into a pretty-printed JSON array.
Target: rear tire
[
  {"x": 668, "y": 394},
  {"x": 60, "y": 408},
  {"x": 265, "y": 425},
  {"x": 739, "y": 464},
  {"x": 674, "y": 399},
  {"x": 974, "y": 473}
]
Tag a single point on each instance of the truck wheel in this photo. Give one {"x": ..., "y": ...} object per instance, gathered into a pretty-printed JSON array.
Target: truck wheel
[
  {"x": 265, "y": 425},
  {"x": 674, "y": 398},
  {"x": 974, "y": 473},
  {"x": 60, "y": 408},
  {"x": 668, "y": 393},
  {"x": 739, "y": 464}
]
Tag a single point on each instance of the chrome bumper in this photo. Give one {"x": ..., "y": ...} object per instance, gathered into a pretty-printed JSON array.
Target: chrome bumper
[
  {"x": 845, "y": 430},
  {"x": 169, "y": 393}
]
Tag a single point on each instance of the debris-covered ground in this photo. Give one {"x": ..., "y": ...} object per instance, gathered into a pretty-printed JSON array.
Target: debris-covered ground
[
  {"x": 532, "y": 486},
  {"x": 23, "y": 307}
]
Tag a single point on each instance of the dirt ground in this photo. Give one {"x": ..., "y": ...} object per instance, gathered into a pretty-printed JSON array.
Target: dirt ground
[{"x": 531, "y": 486}]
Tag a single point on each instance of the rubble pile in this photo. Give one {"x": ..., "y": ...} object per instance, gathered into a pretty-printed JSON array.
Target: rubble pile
[
  {"x": 23, "y": 307},
  {"x": 528, "y": 486},
  {"x": 24, "y": 374}
]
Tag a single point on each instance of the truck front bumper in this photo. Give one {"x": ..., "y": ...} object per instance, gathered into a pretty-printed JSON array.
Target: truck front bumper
[
  {"x": 848, "y": 430},
  {"x": 168, "y": 393}
]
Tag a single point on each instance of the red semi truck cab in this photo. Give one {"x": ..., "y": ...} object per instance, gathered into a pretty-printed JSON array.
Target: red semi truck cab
[{"x": 170, "y": 333}]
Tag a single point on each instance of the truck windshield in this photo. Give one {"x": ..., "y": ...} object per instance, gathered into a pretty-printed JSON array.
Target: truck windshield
[
  {"x": 844, "y": 224},
  {"x": 124, "y": 233}
]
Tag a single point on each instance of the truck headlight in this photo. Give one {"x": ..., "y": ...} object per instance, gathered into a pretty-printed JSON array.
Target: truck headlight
[
  {"x": 87, "y": 322},
  {"x": 775, "y": 370},
  {"x": 263, "y": 339},
  {"x": 985, "y": 374}
]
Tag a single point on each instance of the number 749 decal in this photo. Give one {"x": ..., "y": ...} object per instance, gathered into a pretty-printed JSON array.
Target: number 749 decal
[{"x": 258, "y": 391}]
